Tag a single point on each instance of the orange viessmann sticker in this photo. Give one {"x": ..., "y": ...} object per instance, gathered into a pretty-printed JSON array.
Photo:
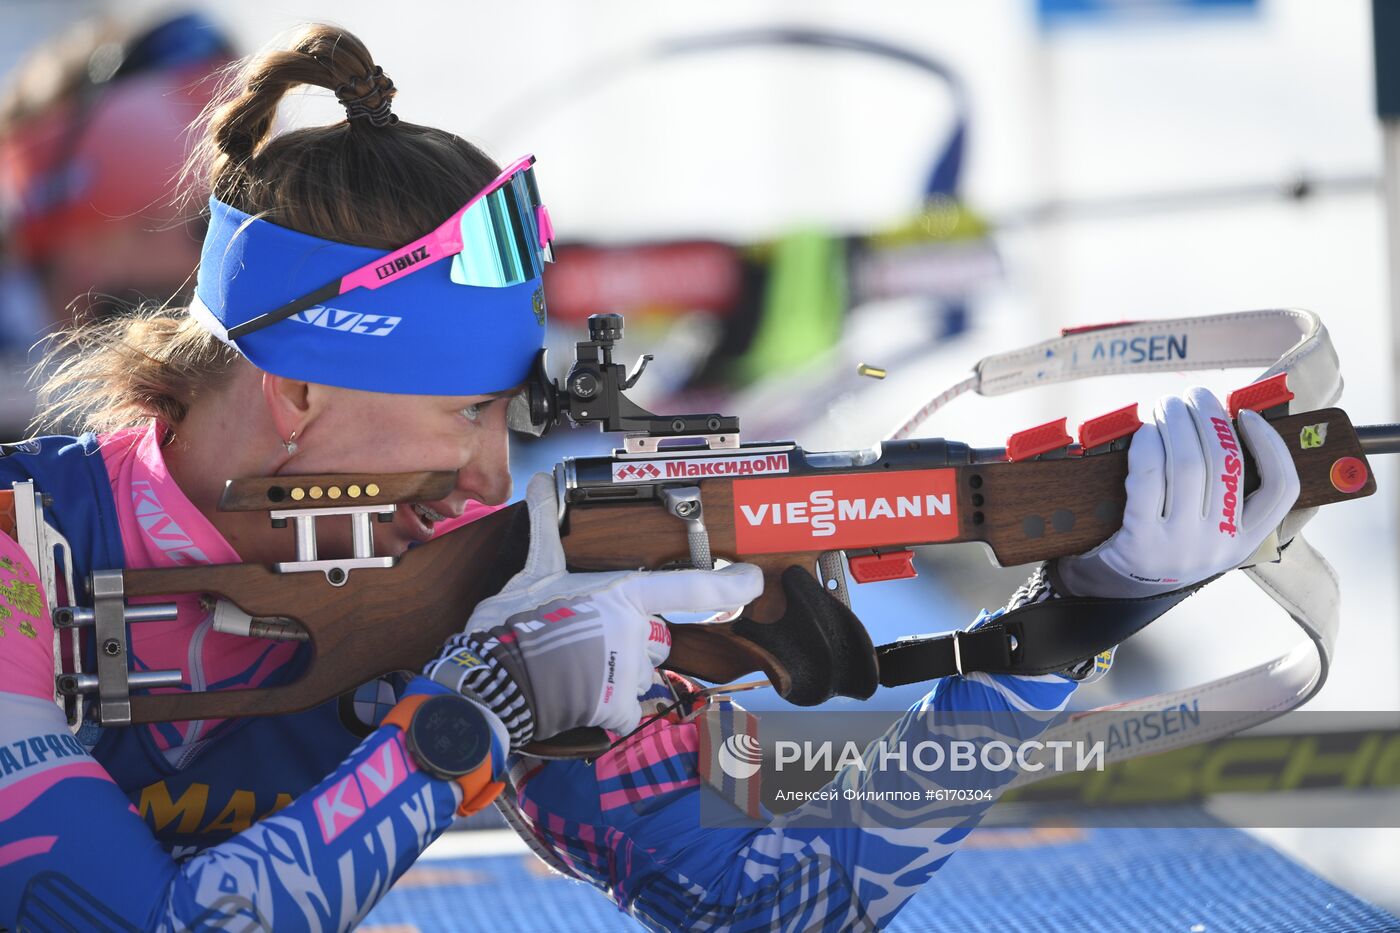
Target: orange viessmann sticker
[{"x": 848, "y": 510}]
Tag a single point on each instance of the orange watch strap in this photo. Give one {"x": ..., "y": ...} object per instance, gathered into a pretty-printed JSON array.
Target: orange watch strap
[
  {"x": 401, "y": 714},
  {"x": 478, "y": 789}
]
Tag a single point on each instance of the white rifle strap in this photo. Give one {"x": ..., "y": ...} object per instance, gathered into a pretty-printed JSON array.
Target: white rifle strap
[{"x": 1298, "y": 579}]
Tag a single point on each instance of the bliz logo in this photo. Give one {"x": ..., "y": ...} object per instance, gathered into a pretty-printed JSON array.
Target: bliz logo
[
  {"x": 400, "y": 263},
  {"x": 350, "y": 322}
]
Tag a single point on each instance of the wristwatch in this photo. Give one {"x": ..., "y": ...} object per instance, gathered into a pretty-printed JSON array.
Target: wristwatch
[{"x": 450, "y": 738}]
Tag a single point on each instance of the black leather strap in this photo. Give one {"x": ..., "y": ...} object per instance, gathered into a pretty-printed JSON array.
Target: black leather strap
[{"x": 1039, "y": 638}]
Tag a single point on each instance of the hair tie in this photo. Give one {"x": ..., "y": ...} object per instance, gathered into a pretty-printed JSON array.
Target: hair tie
[{"x": 372, "y": 104}]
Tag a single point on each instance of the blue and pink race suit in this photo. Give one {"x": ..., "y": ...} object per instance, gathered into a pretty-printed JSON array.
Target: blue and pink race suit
[{"x": 304, "y": 821}]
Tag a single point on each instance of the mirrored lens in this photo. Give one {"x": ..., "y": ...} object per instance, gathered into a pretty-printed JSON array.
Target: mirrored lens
[{"x": 500, "y": 237}]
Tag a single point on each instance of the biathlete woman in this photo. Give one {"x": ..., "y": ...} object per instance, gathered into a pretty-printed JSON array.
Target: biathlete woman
[{"x": 407, "y": 363}]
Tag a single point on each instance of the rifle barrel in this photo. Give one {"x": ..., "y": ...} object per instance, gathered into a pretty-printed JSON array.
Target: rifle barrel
[{"x": 1379, "y": 438}]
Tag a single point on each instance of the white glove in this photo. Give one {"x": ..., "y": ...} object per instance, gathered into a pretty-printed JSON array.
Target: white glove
[
  {"x": 582, "y": 647},
  {"x": 1187, "y": 517}
]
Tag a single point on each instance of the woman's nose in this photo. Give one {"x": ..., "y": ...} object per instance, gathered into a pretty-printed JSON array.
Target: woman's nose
[{"x": 492, "y": 464}]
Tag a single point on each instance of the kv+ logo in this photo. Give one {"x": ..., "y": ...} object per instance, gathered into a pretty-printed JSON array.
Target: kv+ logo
[{"x": 353, "y": 322}]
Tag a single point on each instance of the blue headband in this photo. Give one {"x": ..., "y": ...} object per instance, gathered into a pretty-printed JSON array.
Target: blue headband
[{"x": 420, "y": 335}]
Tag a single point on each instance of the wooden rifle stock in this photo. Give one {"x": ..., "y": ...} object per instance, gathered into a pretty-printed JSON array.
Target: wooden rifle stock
[
  {"x": 383, "y": 620},
  {"x": 377, "y": 622}
]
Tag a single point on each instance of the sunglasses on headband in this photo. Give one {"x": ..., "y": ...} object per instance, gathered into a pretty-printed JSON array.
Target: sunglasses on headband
[{"x": 501, "y": 237}]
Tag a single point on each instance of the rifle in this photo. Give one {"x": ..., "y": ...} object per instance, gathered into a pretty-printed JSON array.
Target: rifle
[{"x": 681, "y": 490}]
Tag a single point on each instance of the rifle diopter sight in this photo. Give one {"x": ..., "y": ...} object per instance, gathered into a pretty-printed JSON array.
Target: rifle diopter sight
[{"x": 593, "y": 393}]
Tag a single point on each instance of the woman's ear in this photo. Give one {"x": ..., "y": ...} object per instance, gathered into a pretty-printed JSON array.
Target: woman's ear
[{"x": 288, "y": 403}]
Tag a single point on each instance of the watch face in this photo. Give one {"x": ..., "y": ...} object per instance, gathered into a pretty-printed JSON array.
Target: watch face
[{"x": 449, "y": 736}]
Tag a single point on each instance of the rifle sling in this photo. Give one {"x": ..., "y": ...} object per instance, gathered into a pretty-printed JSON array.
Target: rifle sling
[{"x": 1040, "y": 638}]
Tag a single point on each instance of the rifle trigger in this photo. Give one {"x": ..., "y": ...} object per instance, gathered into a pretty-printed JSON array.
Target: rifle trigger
[
  {"x": 684, "y": 503},
  {"x": 833, "y": 576}
]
